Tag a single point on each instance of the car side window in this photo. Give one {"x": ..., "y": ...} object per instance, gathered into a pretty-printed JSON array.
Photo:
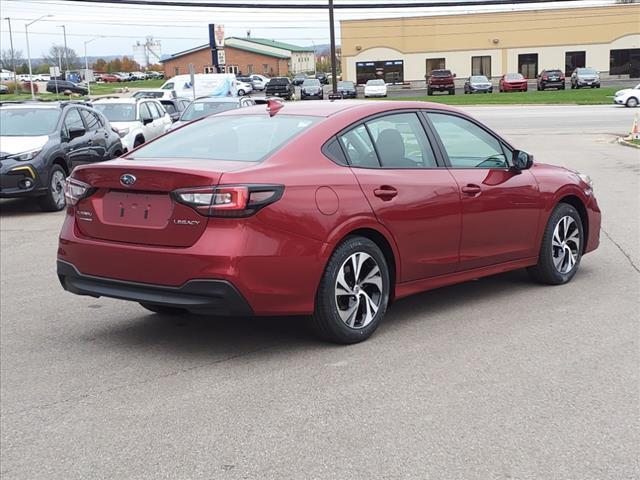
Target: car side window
[
  {"x": 72, "y": 120},
  {"x": 155, "y": 111},
  {"x": 401, "y": 141},
  {"x": 359, "y": 147},
  {"x": 92, "y": 122},
  {"x": 169, "y": 107},
  {"x": 145, "y": 113},
  {"x": 466, "y": 144}
]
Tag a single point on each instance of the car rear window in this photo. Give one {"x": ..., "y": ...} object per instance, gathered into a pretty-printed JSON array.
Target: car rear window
[
  {"x": 224, "y": 138},
  {"x": 554, "y": 72},
  {"x": 279, "y": 81},
  {"x": 441, "y": 73}
]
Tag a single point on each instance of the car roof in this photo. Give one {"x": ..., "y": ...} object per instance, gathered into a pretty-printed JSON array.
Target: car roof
[
  {"x": 326, "y": 109},
  {"x": 122, "y": 99},
  {"x": 39, "y": 104}
]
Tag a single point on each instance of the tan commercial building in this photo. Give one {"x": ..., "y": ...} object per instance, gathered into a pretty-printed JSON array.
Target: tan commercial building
[{"x": 406, "y": 49}]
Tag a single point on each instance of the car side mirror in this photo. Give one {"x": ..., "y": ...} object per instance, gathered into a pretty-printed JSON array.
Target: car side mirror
[
  {"x": 75, "y": 132},
  {"x": 521, "y": 160},
  {"x": 147, "y": 121}
]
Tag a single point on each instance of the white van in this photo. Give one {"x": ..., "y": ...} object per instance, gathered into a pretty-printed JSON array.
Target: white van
[{"x": 206, "y": 84}]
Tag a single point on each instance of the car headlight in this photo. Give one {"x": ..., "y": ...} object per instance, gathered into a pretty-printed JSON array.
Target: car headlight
[
  {"x": 123, "y": 132},
  {"x": 24, "y": 156},
  {"x": 586, "y": 179},
  {"x": 619, "y": 93}
]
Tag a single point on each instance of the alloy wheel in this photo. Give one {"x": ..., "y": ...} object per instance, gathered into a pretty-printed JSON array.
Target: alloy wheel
[
  {"x": 57, "y": 188},
  {"x": 358, "y": 290},
  {"x": 565, "y": 245}
]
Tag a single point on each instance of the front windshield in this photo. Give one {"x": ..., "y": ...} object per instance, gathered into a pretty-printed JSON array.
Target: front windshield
[
  {"x": 117, "y": 112},
  {"x": 311, "y": 82},
  {"x": 375, "y": 83},
  {"x": 204, "y": 109},
  {"x": 220, "y": 138},
  {"x": 587, "y": 71},
  {"x": 514, "y": 76},
  {"x": 479, "y": 79},
  {"x": 28, "y": 122}
]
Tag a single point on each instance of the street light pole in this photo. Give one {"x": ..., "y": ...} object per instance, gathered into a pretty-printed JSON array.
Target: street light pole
[
  {"x": 26, "y": 33},
  {"x": 13, "y": 57},
  {"x": 332, "y": 32},
  {"x": 86, "y": 65},
  {"x": 66, "y": 52}
]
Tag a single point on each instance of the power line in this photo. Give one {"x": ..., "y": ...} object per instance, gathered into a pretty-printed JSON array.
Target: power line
[{"x": 317, "y": 6}]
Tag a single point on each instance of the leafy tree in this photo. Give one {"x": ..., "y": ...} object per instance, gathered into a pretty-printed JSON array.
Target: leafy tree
[
  {"x": 100, "y": 65},
  {"x": 114, "y": 65},
  {"x": 156, "y": 67},
  {"x": 129, "y": 65}
]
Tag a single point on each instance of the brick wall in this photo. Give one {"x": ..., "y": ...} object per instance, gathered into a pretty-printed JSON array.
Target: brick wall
[{"x": 245, "y": 61}]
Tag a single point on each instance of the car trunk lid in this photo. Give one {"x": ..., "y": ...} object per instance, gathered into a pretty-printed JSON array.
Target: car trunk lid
[{"x": 132, "y": 202}]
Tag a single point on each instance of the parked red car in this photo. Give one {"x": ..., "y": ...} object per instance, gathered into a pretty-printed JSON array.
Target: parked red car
[
  {"x": 332, "y": 209},
  {"x": 513, "y": 82},
  {"x": 109, "y": 78}
]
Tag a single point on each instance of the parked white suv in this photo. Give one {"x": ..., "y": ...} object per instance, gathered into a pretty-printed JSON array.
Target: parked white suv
[{"x": 137, "y": 120}]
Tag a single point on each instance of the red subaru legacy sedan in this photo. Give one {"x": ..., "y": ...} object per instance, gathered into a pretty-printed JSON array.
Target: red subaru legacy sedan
[
  {"x": 329, "y": 209},
  {"x": 513, "y": 81}
]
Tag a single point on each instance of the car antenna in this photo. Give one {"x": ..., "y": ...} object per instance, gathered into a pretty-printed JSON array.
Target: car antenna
[{"x": 273, "y": 106}]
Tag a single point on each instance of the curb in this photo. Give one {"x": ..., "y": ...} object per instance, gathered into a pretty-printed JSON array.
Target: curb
[{"x": 622, "y": 141}]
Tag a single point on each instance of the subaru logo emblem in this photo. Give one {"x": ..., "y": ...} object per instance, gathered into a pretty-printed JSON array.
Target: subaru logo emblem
[{"x": 127, "y": 179}]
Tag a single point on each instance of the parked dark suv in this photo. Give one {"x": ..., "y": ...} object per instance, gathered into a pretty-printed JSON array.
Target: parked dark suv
[
  {"x": 551, "y": 79},
  {"x": 64, "y": 85},
  {"x": 279, "y": 87},
  {"x": 40, "y": 143},
  {"x": 441, "y": 80}
]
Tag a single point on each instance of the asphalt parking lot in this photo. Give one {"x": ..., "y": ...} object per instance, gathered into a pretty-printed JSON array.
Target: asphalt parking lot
[{"x": 494, "y": 379}]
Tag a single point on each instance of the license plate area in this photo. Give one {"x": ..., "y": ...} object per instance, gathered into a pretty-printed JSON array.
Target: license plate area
[{"x": 150, "y": 210}]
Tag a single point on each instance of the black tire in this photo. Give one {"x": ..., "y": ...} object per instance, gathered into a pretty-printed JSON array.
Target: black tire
[
  {"x": 53, "y": 200},
  {"x": 632, "y": 102},
  {"x": 163, "y": 310},
  {"x": 452, "y": 92},
  {"x": 562, "y": 87},
  {"x": 326, "y": 320},
  {"x": 545, "y": 271},
  {"x": 241, "y": 93},
  {"x": 429, "y": 92},
  {"x": 137, "y": 142}
]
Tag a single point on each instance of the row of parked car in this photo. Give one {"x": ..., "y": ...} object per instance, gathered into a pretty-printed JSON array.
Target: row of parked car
[
  {"x": 127, "y": 76},
  {"x": 443, "y": 80},
  {"x": 43, "y": 141}
]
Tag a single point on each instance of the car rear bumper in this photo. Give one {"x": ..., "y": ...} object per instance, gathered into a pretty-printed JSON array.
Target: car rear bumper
[
  {"x": 552, "y": 84},
  {"x": 215, "y": 297},
  {"x": 275, "y": 271}
]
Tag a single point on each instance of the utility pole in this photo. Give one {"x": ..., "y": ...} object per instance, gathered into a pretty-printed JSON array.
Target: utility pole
[
  {"x": 13, "y": 57},
  {"x": 66, "y": 52},
  {"x": 332, "y": 32}
]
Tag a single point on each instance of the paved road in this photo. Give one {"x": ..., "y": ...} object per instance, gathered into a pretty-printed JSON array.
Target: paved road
[{"x": 494, "y": 379}]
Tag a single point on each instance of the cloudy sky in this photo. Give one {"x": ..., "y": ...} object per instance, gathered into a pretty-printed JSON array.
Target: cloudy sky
[{"x": 114, "y": 29}]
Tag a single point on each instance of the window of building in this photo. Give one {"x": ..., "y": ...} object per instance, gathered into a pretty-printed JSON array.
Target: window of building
[
  {"x": 265, "y": 68},
  {"x": 625, "y": 62},
  {"x": 209, "y": 69},
  {"x": 435, "y": 64},
  {"x": 232, "y": 69},
  {"x": 391, "y": 71},
  {"x": 481, "y": 66},
  {"x": 573, "y": 60},
  {"x": 249, "y": 69},
  {"x": 528, "y": 65},
  {"x": 176, "y": 70}
]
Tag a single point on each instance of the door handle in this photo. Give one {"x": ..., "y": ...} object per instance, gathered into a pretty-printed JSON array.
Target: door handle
[
  {"x": 471, "y": 190},
  {"x": 385, "y": 192}
]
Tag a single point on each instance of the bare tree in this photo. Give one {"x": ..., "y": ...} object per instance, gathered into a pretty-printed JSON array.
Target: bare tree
[
  {"x": 56, "y": 55},
  {"x": 5, "y": 59}
]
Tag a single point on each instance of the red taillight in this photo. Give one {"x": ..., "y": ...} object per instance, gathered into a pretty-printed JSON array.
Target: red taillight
[
  {"x": 229, "y": 200},
  {"x": 75, "y": 190}
]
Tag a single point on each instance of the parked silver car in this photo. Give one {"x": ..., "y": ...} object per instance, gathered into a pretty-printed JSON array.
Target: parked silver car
[
  {"x": 205, "y": 106},
  {"x": 585, "y": 77},
  {"x": 478, "y": 84}
]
